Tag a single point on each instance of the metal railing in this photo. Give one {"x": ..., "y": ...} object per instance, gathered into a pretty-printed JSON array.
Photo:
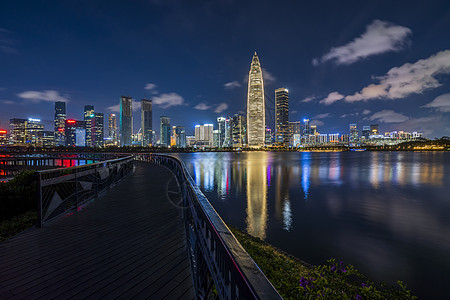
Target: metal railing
[
  {"x": 217, "y": 258},
  {"x": 64, "y": 189}
]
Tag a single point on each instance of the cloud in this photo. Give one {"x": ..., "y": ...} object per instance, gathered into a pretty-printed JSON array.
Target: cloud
[
  {"x": 317, "y": 123},
  {"x": 232, "y": 85},
  {"x": 49, "y": 95},
  {"x": 308, "y": 99},
  {"x": 221, "y": 107},
  {"x": 268, "y": 77},
  {"x": 6, "y": 101},
  {"x": 294, "y": 112},
  {"x": 6, "y": 43},
  {"x": 321, "y": 116},
  {"x": 379, "y": 37},
  {"x": 440, "y": 103},
  {"x": 431, "y": 125},
  {"x": 135, "y": 106},
  {"x": 366, "y": 112},
  {"x": 331, "y": 98},
  {"x": 202, "y": 106},
  {"x": 400, "y": 82},
  {"x": 388, "y": 116},
  {"x": 168, "y": 100},
  {"x": 150, "y": 86}
]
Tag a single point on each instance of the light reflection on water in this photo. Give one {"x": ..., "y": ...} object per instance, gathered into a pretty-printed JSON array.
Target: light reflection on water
[{"x": 385, "y": 212}]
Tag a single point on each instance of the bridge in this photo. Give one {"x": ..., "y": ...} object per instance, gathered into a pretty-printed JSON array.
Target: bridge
[{"x": 129, "y": 227}]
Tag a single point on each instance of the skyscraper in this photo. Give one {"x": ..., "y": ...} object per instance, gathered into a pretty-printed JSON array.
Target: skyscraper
[
  {"x": 88, "y": 115},
  {"x": 180, "y": 136},
  {"x": 165, "y": 131},
  {"x": 204, "y": 135},
  {"x": 60, "y": 121},
  {"x": 353, "y": 136},
  {"x": 146, "y": 121},
  {"x": 282, "y": 116},
  {"x": 256, "y": 117},
  {"x": 112, "y": 128},
  {"x": 126, "y": 121},
  {"x": 221, "y": 125},
  {"x": 239, "y": 131},
  {"x": 97, "y": 130}
]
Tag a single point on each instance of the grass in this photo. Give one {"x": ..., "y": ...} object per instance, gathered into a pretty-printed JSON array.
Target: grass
[
  {"x": 295, "y": 279},
  {"x": 17, "y": 224}
]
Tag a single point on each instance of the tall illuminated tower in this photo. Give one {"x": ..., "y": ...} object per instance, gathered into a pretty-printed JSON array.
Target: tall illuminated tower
[
  {"x": 88, "y": 115},
  {"x": 256, "y": 116},
  {"x": 146, "y": 121},
  {"x": 282, "y": 135},
  {"x": 126, "y": 121},
  {"x": 60, "y": 121}
]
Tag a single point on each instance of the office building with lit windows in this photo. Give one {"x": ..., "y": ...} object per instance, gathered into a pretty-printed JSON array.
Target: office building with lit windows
[
  {"x": 126, "y": 121},
  {"x": 146, "y": 122},
  {"x": 75, "y": 133},
  {"x": 60, "y": 123},
  {"x": 112, "y": 129},
  {"x": 88, "y": 116},
  {"x": 256, "y": 114},
  {"x": 97, "y": 127},
  {"x": 282, "y": 136},
  {"x": 165, "y": 131}
]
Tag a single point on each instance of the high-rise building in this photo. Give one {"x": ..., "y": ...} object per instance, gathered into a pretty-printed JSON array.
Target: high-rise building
[
  {"x": 221, "y": 127},
  {"x": 228, "y": 139},
  {"x": 180, "y": 136},
  {"x": 126, "y": 121},
  {"x": 60, "y": 122},
  {"x": 365, "y": 132},
  {"x": 306, "y": 129},
  {"x": 97, "y": 127},
  {"x": 26, "y": 132},
  {"x": 216, "y": 138},
  {"x": 165, "y": 131},
  {"x": 353, "y": 136},
  {"x": 4, "y": 137},
  {"x": 146, "y": 122},
  {"x": 256, "y": 116},
  {"x": 75, "y": 133},
  {"x": 282, "y": 135},
  {"x": 374, "y": 129},
  {"x": 112, "y": 129},
  {"x": 88, "y": 115},
  {"x": 268, "y": 140},
  {"x": 239, "y": 131},
  {"x": 204, "y": 135}
]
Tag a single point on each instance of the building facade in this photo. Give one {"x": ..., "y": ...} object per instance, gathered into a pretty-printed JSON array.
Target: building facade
[
  {"x": 97, "y": 128},
  {"x": 146, "y": 122},
  {"x": 26, "y": 132},
  {"x": 88, "y": 116},
  {"x": 239, "y": 131},
  {"x": 165, "y": 131},
  {"x": 126, "y": 121},
  {"x": 75, "y": 133},
  {"x": 60, "y": 123},
  {"x": 112, "y": 129},
  {"x": 204, "y": 135},
  {"x": 282, "y": 136},
  {"x": 256, "y": 115}
]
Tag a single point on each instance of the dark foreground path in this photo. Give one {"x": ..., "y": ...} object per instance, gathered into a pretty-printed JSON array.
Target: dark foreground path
[{"x": 128, "y": 243}]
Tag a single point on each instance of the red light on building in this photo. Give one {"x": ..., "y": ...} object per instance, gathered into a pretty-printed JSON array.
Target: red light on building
[
  {"x": 71, "y": 121},
  {"x": 61, "y": 129},
  {"x": 3, "y": 131}
]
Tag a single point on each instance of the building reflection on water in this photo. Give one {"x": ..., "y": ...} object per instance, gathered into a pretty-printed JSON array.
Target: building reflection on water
[{"x": 252, "y": 176}]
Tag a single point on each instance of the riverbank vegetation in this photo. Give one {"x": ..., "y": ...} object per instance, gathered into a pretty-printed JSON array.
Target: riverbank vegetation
[
  {"x": 18, "y": 204},
  {"x": 295, "y": 279}
]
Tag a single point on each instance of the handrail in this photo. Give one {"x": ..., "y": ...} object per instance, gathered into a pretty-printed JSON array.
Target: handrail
[
  {"x": 217, "y": 258},
  {"x": 63, "y": 189}
]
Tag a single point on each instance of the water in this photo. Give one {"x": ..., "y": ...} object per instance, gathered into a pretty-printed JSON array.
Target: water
[{"x": 387, "y": 213}]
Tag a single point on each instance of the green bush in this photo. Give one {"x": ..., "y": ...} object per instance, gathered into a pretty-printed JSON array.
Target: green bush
[{"x": 18, "y": 195}]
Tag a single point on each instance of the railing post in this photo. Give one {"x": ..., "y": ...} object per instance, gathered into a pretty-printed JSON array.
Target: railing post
[{"x": 39, "y": 202}]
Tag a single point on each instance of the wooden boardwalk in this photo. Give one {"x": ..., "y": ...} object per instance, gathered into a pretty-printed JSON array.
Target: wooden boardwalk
[{"x": 127, "y": 243}]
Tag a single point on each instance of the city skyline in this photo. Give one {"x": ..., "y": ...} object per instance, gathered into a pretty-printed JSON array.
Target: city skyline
[{"x": 364, "y": 65}]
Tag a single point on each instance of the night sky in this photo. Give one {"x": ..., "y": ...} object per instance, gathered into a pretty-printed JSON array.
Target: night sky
[{"x": 364, "y": 62}]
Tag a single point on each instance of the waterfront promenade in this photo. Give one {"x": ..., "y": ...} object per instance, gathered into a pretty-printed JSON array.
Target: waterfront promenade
[{"x": 128, "y": 243}]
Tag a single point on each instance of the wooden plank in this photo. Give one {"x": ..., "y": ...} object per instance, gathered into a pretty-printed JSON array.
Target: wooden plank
[{"x": 129, "y": 241}]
